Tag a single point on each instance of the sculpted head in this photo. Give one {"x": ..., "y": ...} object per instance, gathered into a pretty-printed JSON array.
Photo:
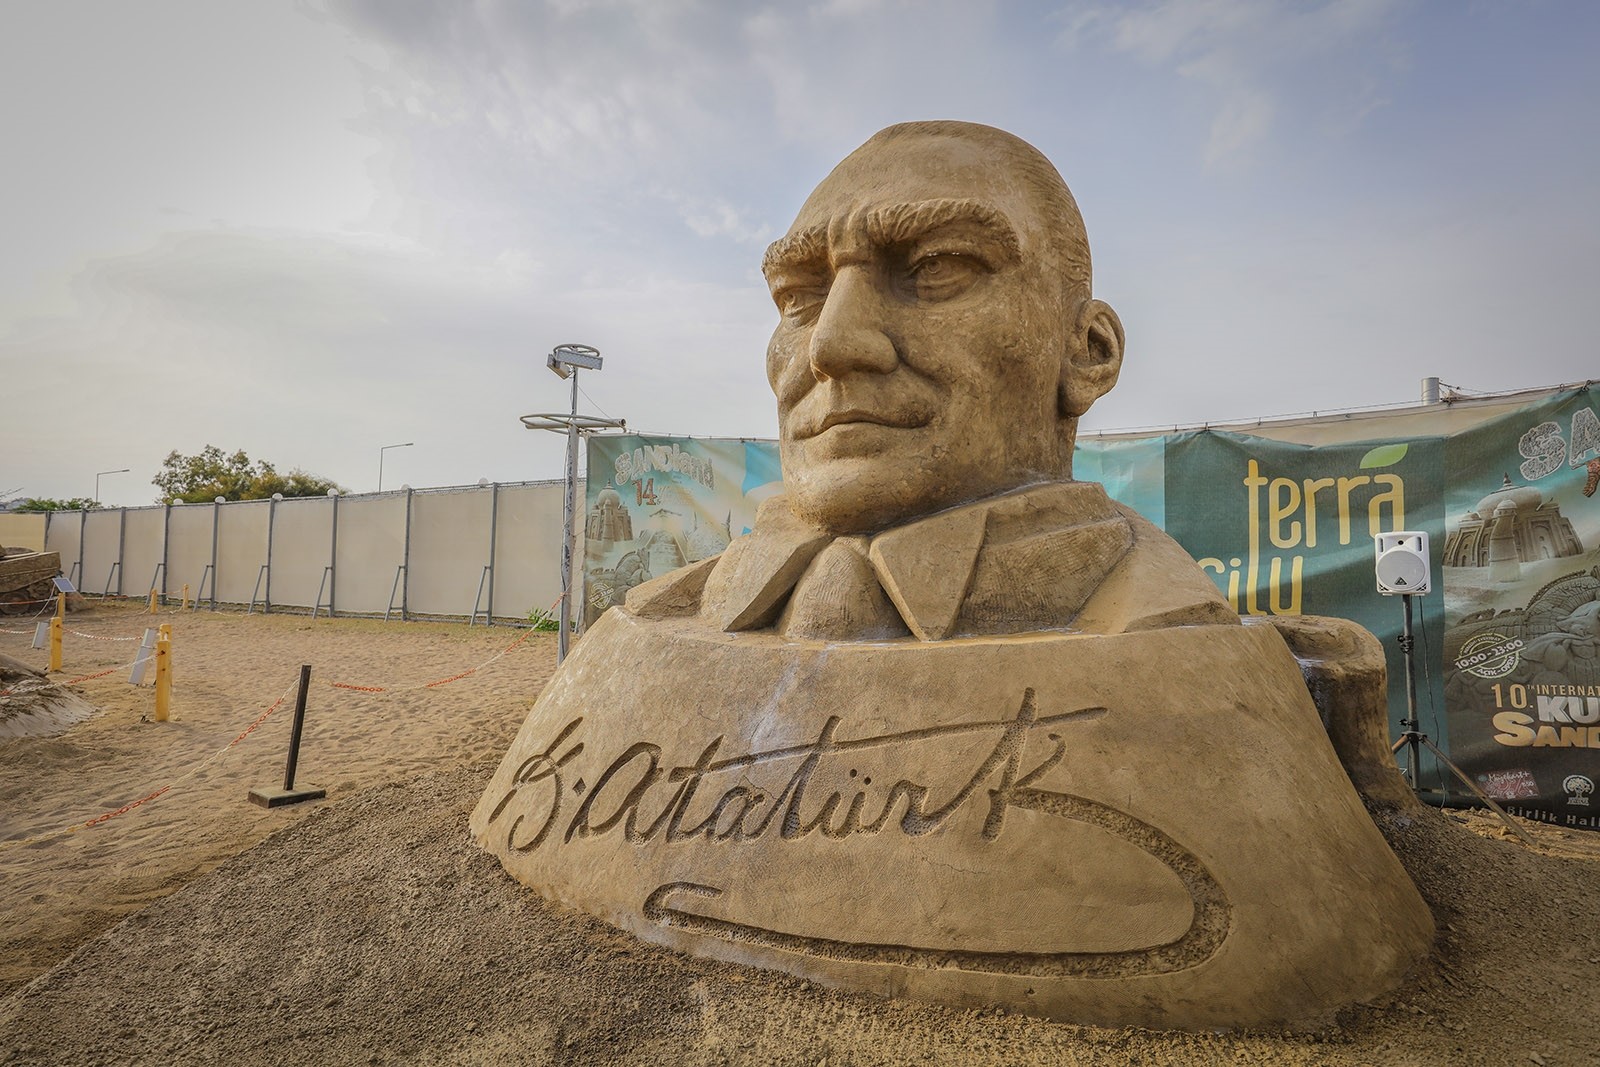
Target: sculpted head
[{"x": 937, "y": 339}]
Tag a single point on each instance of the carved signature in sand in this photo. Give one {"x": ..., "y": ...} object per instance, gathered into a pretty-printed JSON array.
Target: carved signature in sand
[{"x": 626, "y": 799}]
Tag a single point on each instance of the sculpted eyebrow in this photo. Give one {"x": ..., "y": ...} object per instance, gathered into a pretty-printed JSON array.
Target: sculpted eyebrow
[
  {"x": 906, "y": 222},
  {"x": 893, "y": 225},
  {"x": 797, "y": 251}
]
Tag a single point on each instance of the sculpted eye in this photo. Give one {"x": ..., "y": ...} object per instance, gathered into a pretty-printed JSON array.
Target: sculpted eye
[
  {"x": 943, "y": 275},
  {"x": 799, "y": 301}
]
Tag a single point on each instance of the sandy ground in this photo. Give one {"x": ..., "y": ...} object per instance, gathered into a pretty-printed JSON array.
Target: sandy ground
[{"x": 368, "y": 929}]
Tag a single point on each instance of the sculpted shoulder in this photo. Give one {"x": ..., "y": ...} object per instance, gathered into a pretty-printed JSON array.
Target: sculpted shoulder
[{"x": 1056, "y": 556}]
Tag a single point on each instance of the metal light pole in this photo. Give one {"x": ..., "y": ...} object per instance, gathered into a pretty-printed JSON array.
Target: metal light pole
[
  {"x": 120, "y": 470},
  {"x": 565, "y": 361},
  {"x": 381, "y": 451}
]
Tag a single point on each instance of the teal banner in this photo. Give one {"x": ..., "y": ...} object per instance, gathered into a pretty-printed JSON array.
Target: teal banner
[
  {"x": 1287, "y": 529},
  {"x": 1507, "y": 641}
]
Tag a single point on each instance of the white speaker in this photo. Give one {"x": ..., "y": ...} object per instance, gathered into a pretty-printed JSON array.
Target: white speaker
[{"x": 1402, "y": 562}]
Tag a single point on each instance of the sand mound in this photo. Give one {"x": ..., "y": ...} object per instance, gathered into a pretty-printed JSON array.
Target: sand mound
[
  {"x": 369, "y": 929},
  {"x": 33, "y": 706}
]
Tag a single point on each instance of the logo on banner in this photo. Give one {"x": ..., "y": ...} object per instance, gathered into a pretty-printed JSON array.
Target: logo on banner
[
  {"x": 1294, "y": 515},
  {"x": 1544, "y": 449},
  {"x": 1489, "y": 655},
  {"x": 1578, "y": 788}
]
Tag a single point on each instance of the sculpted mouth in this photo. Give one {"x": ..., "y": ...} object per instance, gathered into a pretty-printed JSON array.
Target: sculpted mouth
[{"x": 900, "y": 420}]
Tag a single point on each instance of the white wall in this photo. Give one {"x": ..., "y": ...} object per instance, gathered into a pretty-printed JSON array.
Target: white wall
[{"x": 448, "y": 549}]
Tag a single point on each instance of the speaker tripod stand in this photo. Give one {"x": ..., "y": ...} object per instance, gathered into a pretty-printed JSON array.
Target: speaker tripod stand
[{"x": 1414, "y": 740}]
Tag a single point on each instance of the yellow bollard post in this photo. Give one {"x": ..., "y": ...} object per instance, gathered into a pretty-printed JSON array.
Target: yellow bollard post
[
  {"x": 61, "y": 605},
  {"x": 152, "y": 602},
  {"x": 55, "y": 644},
  {"x": 164, "y": 674},
  {"x": 185, "y": 596}
]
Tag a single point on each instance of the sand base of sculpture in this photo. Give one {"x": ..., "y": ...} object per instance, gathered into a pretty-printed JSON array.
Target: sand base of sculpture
[{"x": 1146, "y": 829}]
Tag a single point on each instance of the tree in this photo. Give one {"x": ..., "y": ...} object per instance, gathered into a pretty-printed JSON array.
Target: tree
[
  {"x": 42, "y": 503},
  {"x": 210, "y": 473}
]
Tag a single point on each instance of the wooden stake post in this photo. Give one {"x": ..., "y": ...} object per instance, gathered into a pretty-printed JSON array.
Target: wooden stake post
[
  {"x": 272, "y": 798},
  {"x": 164, "y": 673}
]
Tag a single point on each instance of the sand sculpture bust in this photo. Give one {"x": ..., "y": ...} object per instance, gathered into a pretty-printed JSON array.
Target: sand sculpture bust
[{"x": 947, "y": 723}]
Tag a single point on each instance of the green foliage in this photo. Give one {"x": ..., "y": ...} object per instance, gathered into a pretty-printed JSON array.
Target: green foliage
[
  {"x": 210, "y": 473},
  {"x": 40, "y": 503},
  {"x": 543, "y": 621}
]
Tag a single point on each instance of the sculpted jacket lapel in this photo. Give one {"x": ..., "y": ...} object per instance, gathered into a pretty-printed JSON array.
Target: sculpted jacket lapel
[
  {"x": 752, "y": 578},
  {"x": 1027, "y": 560}
]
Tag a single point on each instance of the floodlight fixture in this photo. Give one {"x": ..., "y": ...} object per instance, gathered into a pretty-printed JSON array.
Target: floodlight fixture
[{"x": 564, "y": 359}]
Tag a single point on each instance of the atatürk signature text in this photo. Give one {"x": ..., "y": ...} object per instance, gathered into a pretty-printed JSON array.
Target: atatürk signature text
[{"x": 643, "y": 801}]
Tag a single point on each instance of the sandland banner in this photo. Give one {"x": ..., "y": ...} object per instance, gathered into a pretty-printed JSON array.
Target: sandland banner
[
  {"x": 1507, "y": 641},
  {"x": 654, "y": 504},
  {"x": 1521, "y": 658}
]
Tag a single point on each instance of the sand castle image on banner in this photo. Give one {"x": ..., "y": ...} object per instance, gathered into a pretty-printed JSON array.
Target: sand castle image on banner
[{"x": 946, "y": 723}]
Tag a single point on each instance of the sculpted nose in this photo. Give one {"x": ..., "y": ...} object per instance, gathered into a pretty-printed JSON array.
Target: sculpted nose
[{"x": 849, "y": 336}]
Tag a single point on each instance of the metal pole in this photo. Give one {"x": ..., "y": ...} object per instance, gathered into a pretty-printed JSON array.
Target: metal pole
[
  {"x": 166, "y": 539},
  {"x": 569, "y": 533},
  {"x": 294, "y": 731},
  {"x": 1430, "y": 390},
  {"x": 83, "y": 522},
  {"x": 216, "y": 512},
  {"x": 405, "y": 559},
  {"x": 272, "y": 514},
  {"x": 494, "y": 512},
  {"x": 1410, "y": 724},
  {"x": 122, "y": 542},
  {"x": 333, "y": 556},
  {"x": 381, "y": 451}
]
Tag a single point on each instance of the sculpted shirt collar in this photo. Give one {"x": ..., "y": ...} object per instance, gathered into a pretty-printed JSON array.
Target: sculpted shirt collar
[{"x": 1021, "y": 561}]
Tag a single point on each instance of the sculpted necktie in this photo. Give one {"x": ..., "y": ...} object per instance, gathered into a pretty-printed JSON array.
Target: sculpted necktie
[{"x": 839, "y": 598}]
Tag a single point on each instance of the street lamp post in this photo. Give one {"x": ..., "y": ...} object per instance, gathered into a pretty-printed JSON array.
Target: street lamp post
[
  {"x": 381, "y": 451},
  {"x": 565, "y": 361},
  {"x": 119, "y": 470}
]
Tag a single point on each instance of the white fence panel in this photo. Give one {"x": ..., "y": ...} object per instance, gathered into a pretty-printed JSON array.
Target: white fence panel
[
  {"x": 372, "y": 539},
  {"x": 189, "y": 548},
  {"x": 302, "y": 546},
  {"x": 24, "y": 530},
  {"x": 527, "y": 566},
  {"x": 449, "y": 549},
  {"x": 141, "y": 549},
  {"x": 63, "y": 535},
  {"x": 241, "y": 548},
  {"x": 102, "y": 546}
]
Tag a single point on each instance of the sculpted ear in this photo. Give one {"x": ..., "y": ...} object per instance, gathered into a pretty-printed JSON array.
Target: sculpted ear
[{"x": 1094, "y": 358}]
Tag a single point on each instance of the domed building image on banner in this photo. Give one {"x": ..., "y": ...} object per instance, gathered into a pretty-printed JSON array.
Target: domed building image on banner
[
  {"x": 1513, "y": 524},
  {"x": 609, "y": 519}
]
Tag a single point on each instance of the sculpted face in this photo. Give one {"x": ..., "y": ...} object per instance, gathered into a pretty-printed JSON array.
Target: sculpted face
[{"x": 937, "y": 340}]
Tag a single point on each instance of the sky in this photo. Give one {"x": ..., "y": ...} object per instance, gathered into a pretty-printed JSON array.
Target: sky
[{"x": 312, "y": 229}]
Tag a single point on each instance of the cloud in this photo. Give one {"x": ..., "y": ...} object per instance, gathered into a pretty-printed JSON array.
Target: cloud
[
  {"x": 1257, "y": 59},
  {"x": 305, "y": 349}
]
